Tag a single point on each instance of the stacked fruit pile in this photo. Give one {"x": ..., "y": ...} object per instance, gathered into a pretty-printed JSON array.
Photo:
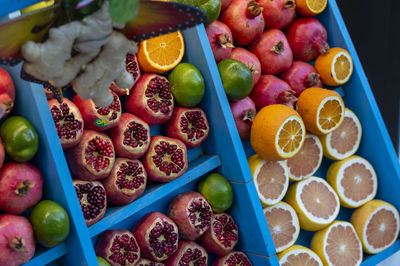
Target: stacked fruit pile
[
  {"x": 158, "y": 239},
  {"x": 110, "y": 150},
  {"x": 21, "y": 186}
]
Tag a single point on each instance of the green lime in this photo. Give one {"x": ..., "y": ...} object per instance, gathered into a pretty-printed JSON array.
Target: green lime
[
  {"x": 236, "y": 79},
  {"x": 217, "y": 191},
  {"x": 50, "y": 223},
  {"x": 211, "y": 7},
  {"x": 187, "y": 84},
  {"x": 102, "y": 262},
  {"x": 19, "y": 138}
]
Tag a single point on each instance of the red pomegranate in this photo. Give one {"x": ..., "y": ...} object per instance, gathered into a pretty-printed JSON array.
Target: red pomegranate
[
  {"x": 243, "y": 112},
  {"x": 147, "y": 262},
  {"x": 273, "y": 51},
  {"x": 225, "y": 4},
  {"x": 132, "y": 66},
  {"x": 7, "y": 93},
  {"x": 220, "y": 38},
  {"x": 233, "y": 258},
  {"x": 244, "y": 18},
  {"x": 188, "y": 253},
  {"x": 250, "y": 60},
  {"x": 278, "y": 13},
  {"x": 2, "y": 153},
  {"x": 307, "y": 38}
]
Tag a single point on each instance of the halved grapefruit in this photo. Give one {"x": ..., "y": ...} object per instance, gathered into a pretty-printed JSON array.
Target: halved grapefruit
[{"x": 298, "y": 255}]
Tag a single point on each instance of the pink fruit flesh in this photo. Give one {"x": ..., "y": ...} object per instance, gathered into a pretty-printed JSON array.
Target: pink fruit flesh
[
  {"x": 278, "y": 13},
  {"x": 188, "y": 253},
  {"x": 7, "y": 93},
  {"x": 307, "y": 38},
  {"x": 17, "y": 244},
  {"x": 93, "y": 158},
  {"x": 244, "y": 18},
  {"x": 99, "y": 118},
  {"x": 157, "y": 236},
  {"x": 92, "y": 198},
  {"x": 243, "y": 112},
  {"x": 191, "y": 213},
  {"x": 225, "y": 4},
  {"x": 126, "y": 181},
  {"x": 220, "y": 38},
  {"x": 189, "y": 125},
  {"x": 232, "y": 259},
  {"x": 151, "y": 99},
  {"x": 20, "y": 187},
  {"x": 273, "y": 51},
  {"x": 118, "y": 247},
  {"x": 222, "y": 236},
  {"x": 68, "y": 121},
  {"x": 301, "y": 76},
  {"x": 272, "y": 90},
  {"x": 132, "y": 66},
  {"x": 147, "y": 262},
  {"x": 250, "y": 60},
  {"x": 166, "y": 159},
  {"x": 131, "y": 137}
]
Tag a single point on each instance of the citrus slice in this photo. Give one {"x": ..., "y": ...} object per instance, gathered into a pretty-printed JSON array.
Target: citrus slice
[
  {"x": 322, "y": 110},
  {"x": 283, "y": 224},
  {"x": 335, "y": 67},
  {"x": 162, "y": 53},
  {"x": 307, "y": 161},
  {"x": 310, "y": 7},
  {"x": 298, "y": 255},
  {"x": 277, "y": 132},
  {"x": 338, "y": 244},
  {"x": 354, "y": 180},
  {"x": 345, "y": 140},
  {"x": 271, "y": 179},
  {"x": 377, "y": 225},
  {"x": 315, "y": 202}
]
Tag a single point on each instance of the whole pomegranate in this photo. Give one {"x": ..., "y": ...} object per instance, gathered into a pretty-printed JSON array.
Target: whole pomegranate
[
  {"x": 132, "y": 66},
  {"x": 68, "y": 121},
  {"x": 191, "y": 213},
  {"x": 225, "y": 4},
  {"x": 2, "y": 153},
  {"x": 126, "y": 181},
  {"x": 307, "y": 38},
  {"x": 118, "y": 247},
  {"x": 188, "y": 253},
  {"x": 272, "y": 90},
  {"x": 157, "y": 236},
  {"x": 250, "y": 60},
  {"x": 244, "y": 18},
  {"x": 222, "y": 236},
  {"x": 93, "y": 158},
  {"x": 151, "y": 99},
  {"x": 189, "y": 125},
  {"x": 166, "y": 159},
  {"x": 233, "y": 258},
  {"x": 273, "y": 51},
  {"x": 7, "y": 93},
  {"x": 92, "y": 198},
  {"x": 99, "y": 118},
  {"x": 20, "y": 187},
  {"x": 301, "y": 76},
  {"x": 278, "y": 13},
  {"x": 147, "y": 262},
  {"x": 243, "y": 112},
  {"x": 131, "y": 137},
  {"x": 220, "y": 38}
]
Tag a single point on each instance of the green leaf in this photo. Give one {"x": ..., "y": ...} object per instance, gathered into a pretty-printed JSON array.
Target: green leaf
[
  {"x": 122, "y": 11},
  {"x": 78, "y": 14}
]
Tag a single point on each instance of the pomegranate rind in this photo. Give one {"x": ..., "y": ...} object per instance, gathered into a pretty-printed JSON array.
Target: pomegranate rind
[
  {"x": 313, "y": 140},
  {"x": 295, "y": 223},
  {"x": 336, "y": 175},
  {"x": 327, "y": 141},
  {"x": 147, "y": 262},
  {"x": 297, "y": 250},
  {"x": 320, "y": 242},
  {"x": 362, "y": 217},
  {"x": 256, "y": 163},
  {"x": 308, "y": 221},
  {"x": 120, "y": 91},
  {"x": 183, "y": 246},
  {"x": 222, "y": 261}
]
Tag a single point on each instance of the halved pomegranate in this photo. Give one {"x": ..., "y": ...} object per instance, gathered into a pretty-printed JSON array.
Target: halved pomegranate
[
  {"x": 166, "y": 159},
  {"x": 68, "y": 121},
  {"x": 147, "y": 262},
  {"x": 189, "y": 125},
  {"x": 188, "y": 253},
  {"x": 232, "y": 259},
  {"x": 132, "y": 66}
]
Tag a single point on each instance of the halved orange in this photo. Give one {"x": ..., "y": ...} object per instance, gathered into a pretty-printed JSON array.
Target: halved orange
[
  {"x": 277, "y": 132},
  {"x": 322, "y": 110},
  {"x": 298, "y": 255},
  {"x": 310, "y": 7},
  {"x": 377, "y": 225},
  {"x": 338, "y": 244},
  {"x": 162, "y": 53}
]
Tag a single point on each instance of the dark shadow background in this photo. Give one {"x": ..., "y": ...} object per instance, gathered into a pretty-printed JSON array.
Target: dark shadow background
[{"x": 374, "y": 27}]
